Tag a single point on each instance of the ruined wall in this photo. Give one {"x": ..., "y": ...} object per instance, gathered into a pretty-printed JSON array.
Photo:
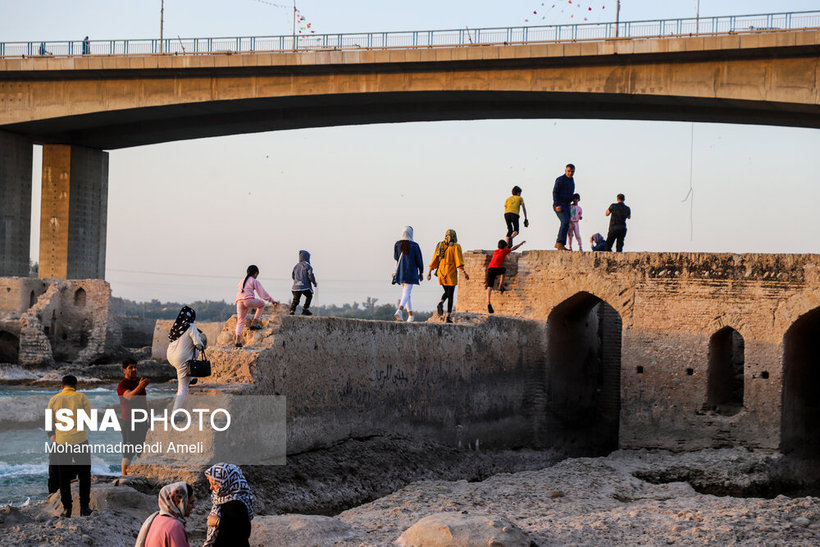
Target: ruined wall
[
  {"x": 670, "y": 305},
  {"x": 71, "y": 321},
  {"x": 347, "y": 378},
  {"x": 17, "y": 294}
]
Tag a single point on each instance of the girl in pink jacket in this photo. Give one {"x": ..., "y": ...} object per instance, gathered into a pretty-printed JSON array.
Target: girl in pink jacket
[{"x": 246, "y": 300}]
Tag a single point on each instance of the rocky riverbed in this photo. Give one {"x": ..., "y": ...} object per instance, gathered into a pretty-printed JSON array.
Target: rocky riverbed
[{"x": 371, "y": 491}]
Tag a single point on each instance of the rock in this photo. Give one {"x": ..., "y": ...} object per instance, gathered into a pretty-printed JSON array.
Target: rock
[
  {"x": 10, "y": 515},
  {"x": 457, "y": 529},
  {"x": 297, "y": 530},
  {"x": 802, "y": 521},
  {"x": 105, "y": 497}
]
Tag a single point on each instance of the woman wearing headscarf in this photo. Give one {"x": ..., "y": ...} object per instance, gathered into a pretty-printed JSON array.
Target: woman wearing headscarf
[
  {"x": 246, "y": 300},
  {"x": 229, "y": 522},
  {"x": 409, "y": 270},
  {"x": 448, "y": 259},
  {"x": 185, "y": 339},
  {"x": 166, "y": 527}
]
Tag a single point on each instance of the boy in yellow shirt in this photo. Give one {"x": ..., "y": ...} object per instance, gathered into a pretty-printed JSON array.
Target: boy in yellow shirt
[{"x": 512, "y": 207}]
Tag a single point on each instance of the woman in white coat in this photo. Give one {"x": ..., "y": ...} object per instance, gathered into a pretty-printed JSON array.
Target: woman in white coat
[{"x": 185, "y": 341}]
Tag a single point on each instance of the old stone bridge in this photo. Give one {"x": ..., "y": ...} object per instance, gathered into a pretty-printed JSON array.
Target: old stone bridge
[{"x": 78, "y": 106}]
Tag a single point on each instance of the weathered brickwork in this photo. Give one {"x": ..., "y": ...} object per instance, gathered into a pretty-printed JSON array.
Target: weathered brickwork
[{"x": 670, "y": 305}]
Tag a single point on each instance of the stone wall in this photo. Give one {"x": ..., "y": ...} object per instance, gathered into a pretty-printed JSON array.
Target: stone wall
[
  {"x": 670, "y": 306},
  {"x": 352, "y": 378},
  {"x": 71, "y": 321},
  {"x": 17, "y": 294}
]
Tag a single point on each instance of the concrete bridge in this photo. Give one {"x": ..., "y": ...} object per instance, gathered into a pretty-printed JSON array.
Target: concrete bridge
[{"x": 82, "y": 105}]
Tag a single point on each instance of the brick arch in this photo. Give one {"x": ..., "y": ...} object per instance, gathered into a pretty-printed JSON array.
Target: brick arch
[
  {"x": 583, "y": 360},
  {"x": 800, "y": 419},
  {"x": 621, "y": 297},
  {"x": 792, "y": 309},
  {"x": 725, "y": 374}
]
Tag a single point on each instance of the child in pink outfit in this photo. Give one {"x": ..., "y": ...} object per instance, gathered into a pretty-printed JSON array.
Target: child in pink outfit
[
  {"x": 575, "y": 215},
  {"x": 246, "y": 300}
]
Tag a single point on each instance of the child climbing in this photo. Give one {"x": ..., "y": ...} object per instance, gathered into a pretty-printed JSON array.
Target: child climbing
[{"x": 496, "y": 269}]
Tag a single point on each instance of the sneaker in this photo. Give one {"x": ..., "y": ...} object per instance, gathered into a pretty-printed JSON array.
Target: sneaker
[
  {"x": 440, "y": 308},
  {"x": 398, "y": 316},
  {"x": 193, "y": 381},
  {"x": 560, "y": 247},
  {"x": 501, "y": 290},
  {"x": 291, "y": 312},
  {"x": 306, "y": 312},
  {"x": 256, "y": 327},
  {"x": 66, "y": 513},
  {"x": 448, "y": 320},
  {"x": 490, "y": 308},
  {"x": 85, "y": 511},
  {"x": 237, "y": 345},
  {"x": 410, "y": 319}
]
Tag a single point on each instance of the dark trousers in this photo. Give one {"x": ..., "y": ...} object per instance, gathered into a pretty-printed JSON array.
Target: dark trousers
[
  {"x": 512, "y": 223},
  {"x": 563, "y": 216},
  {"x": 616, "y": 235},
  {"x": 449, "y": 295},
  {"x": 297, "y": 295},
  {"x": 70, "y": 466}
]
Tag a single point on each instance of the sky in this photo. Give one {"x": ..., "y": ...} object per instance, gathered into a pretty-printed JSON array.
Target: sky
[{"x": 186, "y": 218}]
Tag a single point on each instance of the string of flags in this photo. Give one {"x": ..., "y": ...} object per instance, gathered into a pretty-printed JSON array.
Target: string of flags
[{"x": 558, "y": 11}]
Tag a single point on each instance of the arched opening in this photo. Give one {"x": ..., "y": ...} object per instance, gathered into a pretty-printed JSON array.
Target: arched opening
[
  {"x": 724, "y": 393},
  {"x": 9, "y": 347},
  {"x": 800, "y": 428},
  {"x": 79, "y": 298},
  {"x": 584, "y": 373}
]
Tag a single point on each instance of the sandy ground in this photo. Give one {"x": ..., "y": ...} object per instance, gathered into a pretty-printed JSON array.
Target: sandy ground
[{"x": 626, "y": 498}]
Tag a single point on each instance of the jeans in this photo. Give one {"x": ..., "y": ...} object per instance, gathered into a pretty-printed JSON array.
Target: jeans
[{"x": 563, "y": 216}]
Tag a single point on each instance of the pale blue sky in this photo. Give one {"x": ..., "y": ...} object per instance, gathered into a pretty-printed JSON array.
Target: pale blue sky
[{"x": 345, "y": 193}]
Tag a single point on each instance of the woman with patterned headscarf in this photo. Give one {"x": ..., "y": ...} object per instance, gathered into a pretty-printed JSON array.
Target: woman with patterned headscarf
[
  {"x": 229, "y": 523},
  {"x": 185, "y": 339},
  {"x": 448, "y": 259},
  {"x": 166, "y": 527}
]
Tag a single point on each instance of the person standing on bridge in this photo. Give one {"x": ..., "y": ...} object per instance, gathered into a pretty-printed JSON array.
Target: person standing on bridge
[
  {"x": 447, "y": 260},
  {"x": 618, "y": 213},
  {"x": 86, "y": 46},
  {"x": 409, "y": 271},
  {"x": 512, "y": 206},
  {"x": 562, "y": 194}
]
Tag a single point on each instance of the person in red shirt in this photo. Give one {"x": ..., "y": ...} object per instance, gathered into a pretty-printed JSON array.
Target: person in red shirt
[
  {"x": 496, "y": 269},
  {"x": 132, "y": 395}
]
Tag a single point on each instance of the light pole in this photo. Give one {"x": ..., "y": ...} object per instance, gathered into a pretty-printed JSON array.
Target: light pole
[
  {"x": 697, "y": 18},
  {"x": 617, "y": 17},
  {"x": 161, "y": 22}
]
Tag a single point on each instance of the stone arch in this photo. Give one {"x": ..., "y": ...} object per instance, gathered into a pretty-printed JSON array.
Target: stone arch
[
  {"x": 80, "y": 298},
  {"x": 725, "y": 378},
  {"x": 9, "y": 347},
  {"x": 800, "y": 421},
  {"x": 583, "y": 362}
]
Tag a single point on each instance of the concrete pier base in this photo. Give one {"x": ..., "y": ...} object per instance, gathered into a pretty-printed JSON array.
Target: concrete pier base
[
  {"x": 15, "y": 204},
  {"x": 73, "y": 213}
]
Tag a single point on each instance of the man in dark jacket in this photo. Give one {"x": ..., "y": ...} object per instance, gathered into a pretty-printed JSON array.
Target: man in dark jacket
[
  {"x": 618, "y": 213},
  {"x": 562, "y": 194}
]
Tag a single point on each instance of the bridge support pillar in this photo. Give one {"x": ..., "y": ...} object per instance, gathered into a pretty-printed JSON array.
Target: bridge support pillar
[
  {"x": 15, "y": 204},
  {"x": 74, "y": 212}
]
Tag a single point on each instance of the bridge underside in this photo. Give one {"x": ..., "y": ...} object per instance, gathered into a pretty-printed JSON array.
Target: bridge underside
[{"x": 151, "y": 125}]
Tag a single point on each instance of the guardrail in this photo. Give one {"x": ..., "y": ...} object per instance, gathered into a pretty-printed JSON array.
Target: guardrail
[{"x": 420, "y": 39}]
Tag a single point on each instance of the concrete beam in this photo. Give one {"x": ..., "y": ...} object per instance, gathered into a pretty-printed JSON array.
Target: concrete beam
[
  {"x": 15, "y": 204},
  {"x": 73, "y": 213}
]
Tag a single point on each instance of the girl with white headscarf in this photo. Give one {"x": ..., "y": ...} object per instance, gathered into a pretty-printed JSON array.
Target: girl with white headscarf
[
  {"x": 409, "y": 270},
  {"x": 166, "y": 527}
]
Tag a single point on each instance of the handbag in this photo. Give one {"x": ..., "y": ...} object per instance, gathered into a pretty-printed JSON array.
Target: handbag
[
  {"x": 393, "y": 281},
  {"x": 199, "y": 368}
]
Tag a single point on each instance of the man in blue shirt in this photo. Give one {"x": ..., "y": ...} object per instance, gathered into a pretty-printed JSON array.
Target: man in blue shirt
[{"x": 562, "y": 194}]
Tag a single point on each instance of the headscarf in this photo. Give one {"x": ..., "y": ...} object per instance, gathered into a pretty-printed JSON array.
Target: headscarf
[
  {"x": 449, "y": 239},
  {"x": 407, "y": 234},
  {"x": 184, "y": 319},
  {"x": 231, "y": 485},
  {"x": 172, "y": 501},
  {"x": 597, "y": 238}
]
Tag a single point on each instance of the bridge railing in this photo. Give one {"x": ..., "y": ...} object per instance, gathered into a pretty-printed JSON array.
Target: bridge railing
[{"x": 420, "y": 39}]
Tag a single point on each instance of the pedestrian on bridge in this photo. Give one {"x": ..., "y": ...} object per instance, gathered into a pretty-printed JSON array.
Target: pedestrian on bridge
[
  {"x": 562, "y": 194},
  {"x": 618, "y": 213},
  {"x": 447, "y": 260},
  {"x": 512, "y": 207}
]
